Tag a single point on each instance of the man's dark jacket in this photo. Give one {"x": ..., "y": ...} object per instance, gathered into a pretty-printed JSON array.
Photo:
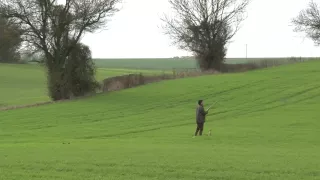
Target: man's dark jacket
[{"x": 201, "y": 114}]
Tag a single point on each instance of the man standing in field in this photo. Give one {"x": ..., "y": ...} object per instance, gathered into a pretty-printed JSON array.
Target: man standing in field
[{"x": 200, "y": 118}]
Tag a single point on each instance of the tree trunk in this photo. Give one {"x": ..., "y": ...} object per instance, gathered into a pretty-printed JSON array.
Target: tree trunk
[
  {"x": 57, "y": 82},
  {"x": 209, "y": 62}
]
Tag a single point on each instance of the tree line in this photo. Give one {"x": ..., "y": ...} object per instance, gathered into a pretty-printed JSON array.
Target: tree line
[{"x": 54, "y": 31}]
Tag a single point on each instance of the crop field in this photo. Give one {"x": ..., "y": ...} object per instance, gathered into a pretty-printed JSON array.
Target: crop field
[
  {"x": 265, "y": 125},
  {"x": 26, "y": 84}
]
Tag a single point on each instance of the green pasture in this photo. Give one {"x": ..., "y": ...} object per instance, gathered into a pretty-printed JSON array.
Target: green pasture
[{"x": 264, "y": 126}]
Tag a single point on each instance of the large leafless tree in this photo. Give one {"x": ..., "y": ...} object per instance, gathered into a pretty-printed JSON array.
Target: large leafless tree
[
  {"x": 56, "y": 29},
  {"x": 308, "y": 22},
  {"x": 204, "y": 27}
]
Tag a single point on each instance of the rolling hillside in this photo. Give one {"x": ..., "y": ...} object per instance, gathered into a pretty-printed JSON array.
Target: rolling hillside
[{"x": 265, "y": 126}]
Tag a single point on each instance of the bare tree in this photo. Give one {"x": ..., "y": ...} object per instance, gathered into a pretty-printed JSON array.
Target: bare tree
[
  {"x": 204, "y": 27},
  {"x": 308, "y": 22},
  {"x": 57, "y": 29}
]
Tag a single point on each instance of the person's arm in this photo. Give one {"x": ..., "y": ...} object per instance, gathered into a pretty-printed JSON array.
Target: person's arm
[{"x": 202, "y": 111}]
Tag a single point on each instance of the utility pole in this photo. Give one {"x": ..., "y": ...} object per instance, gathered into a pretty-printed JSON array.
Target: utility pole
[{"x": 246, "y": 51}]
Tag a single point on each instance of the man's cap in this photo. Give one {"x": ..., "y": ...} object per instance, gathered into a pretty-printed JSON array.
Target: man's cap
[{"x": 200, "y": 101}]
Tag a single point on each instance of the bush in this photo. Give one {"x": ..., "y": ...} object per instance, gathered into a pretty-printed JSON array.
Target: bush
[
  {"x": 77, "y": 78},
  {"x": 81, "y": 71},
  {"x": 123, "y": 82}
]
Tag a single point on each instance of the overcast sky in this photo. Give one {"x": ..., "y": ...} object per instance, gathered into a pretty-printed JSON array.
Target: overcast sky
[{"x": 135, "y": 32}]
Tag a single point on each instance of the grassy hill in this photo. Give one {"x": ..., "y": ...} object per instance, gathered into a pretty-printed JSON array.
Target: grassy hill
[
  {"x": 26, "y": 84},
  {"x": 265, "y": 126}
]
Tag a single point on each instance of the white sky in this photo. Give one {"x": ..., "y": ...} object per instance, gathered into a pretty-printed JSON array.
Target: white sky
[{"x": 135, "y": 32}]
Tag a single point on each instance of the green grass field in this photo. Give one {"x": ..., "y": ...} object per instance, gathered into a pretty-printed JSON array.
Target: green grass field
[
  {"x": 265, "y": 126},
  {"x": 26, "y": 84}
]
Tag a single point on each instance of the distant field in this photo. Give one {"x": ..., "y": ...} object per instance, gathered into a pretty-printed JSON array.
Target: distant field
[
  {"x": 170, "y": 63},
  {"x": 25, "y": 84},
  {"x": 22, "y": 84},
  {"x": 265, "y": 126},
  {"x": 165, "y": 63}
]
